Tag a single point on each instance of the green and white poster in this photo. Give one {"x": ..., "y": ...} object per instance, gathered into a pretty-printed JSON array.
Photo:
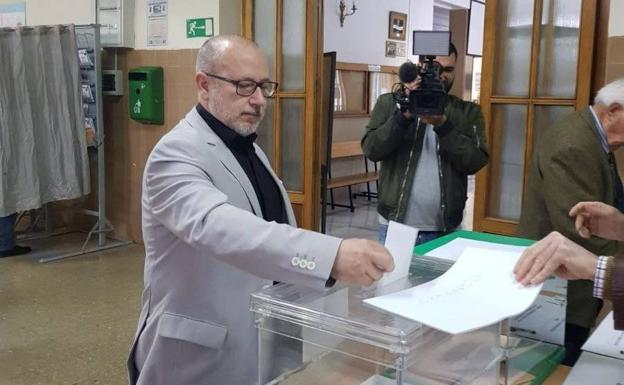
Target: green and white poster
[{"x": 203, "y": 27}]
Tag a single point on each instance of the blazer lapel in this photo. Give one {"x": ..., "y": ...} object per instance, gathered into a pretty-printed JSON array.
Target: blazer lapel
[
  {"x": 590, "y": 121},
  {"x": 587, "y": 116},
  {"x": 265, "y": 161},
  {"x": 225, "y": 157}
]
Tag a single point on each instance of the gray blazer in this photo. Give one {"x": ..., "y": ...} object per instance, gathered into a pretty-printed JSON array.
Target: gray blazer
[{"x": 207, "y": 249}]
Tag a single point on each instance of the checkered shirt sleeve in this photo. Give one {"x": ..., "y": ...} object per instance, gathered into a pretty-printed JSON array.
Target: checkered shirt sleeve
[{"x": 599, "y": 276}]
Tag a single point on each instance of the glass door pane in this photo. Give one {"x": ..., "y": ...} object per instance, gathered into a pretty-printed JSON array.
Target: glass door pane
[
  {"x": 507, "y": 161},
  {"x": 293, "y": 45},
  {"x": 558, "y": 54},
  {"x": 265, "y": 14},
  {"x": 514, "y": 25},
  {"x": 292, "y": 135}
]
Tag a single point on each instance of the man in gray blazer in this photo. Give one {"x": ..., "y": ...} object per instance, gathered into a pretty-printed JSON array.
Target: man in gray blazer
[{"x": 218, "y": 226}]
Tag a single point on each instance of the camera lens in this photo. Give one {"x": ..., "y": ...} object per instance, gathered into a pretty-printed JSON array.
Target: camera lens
[{"x": 427, "y": 100}]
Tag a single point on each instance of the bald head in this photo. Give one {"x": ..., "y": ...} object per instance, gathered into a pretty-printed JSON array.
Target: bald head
[
  {"x": 223, "y": 64},
  {"x": 212, "y": 53}
]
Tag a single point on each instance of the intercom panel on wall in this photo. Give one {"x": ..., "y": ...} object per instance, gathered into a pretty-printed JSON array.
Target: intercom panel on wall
[
  {"x": 112, "y": 82},
  {"x": 116, "y": 18}
]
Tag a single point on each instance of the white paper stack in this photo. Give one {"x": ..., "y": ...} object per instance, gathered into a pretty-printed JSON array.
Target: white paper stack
[
  {"x": 478, "y": 290},
  {"x": 603, "y": 357},
  {"x": 605, "y": 340}
]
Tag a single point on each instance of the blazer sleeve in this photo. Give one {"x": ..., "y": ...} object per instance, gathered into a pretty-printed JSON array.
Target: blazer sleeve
[
  {"x": 462, "y": 139},
  {"x": 617, "y": 292},
  {"x": 385, "y": 131},
  {"x": 181, "y": 195}
]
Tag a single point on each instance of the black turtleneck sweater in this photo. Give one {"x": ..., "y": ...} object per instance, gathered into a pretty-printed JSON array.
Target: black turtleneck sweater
[{"x": 242, "y": 148}]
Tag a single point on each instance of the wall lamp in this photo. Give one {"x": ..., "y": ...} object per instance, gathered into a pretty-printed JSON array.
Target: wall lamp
[{"x": 344, "y": 13}]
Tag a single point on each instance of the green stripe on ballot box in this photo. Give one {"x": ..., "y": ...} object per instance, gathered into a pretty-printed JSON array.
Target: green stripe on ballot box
[
  {"x": 474, "y": 235},
  {"x": 427, "y": 267}
]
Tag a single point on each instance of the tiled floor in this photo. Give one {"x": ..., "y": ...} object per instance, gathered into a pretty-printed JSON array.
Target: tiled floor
[
  {"x": 362, "y": 223},
  {"x": 72, "y": 321},
  {"x": 69, "y": 322}
]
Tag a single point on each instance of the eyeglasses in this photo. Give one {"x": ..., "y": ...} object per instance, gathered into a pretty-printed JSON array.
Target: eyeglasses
[{"x": 248, "y": 87}]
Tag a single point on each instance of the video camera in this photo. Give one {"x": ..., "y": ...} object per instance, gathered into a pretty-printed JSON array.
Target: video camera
[{"x": 430, "y": 97}]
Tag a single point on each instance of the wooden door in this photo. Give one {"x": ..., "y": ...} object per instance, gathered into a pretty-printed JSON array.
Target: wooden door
[
  {"x": 290, "y": 33},
  {"x": 537, "y": 66}
]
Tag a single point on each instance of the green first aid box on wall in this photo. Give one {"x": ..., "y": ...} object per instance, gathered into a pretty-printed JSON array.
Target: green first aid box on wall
[{"x": 146, "y": 95}]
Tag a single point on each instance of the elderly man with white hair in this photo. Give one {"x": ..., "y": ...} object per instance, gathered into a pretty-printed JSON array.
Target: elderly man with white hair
[
  {"x": 217, "y": 226},
  {"x": 572, "y": 162}
]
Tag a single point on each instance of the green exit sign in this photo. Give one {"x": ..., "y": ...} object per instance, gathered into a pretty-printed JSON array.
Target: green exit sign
[{"x": 200, "y": 27}]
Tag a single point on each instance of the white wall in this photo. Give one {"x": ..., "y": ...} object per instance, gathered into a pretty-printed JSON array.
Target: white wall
[
  {"x": 179, "y": 11},
  {"x": 363, "y": 37},
  {"x": 83, "y": 12},
  {"x": 420, "y": 19},
  {"x": 616, "y": 14},
  {"x": 39, "y": 12},
  {"x": 453, "y": 4}
]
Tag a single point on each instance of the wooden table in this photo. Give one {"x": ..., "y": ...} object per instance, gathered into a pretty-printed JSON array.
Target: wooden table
[{"x": 558, "y": 376}]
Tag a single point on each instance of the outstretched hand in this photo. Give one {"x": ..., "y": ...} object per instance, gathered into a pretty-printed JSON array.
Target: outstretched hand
[
  {"x": 554, "y": 254},
  {"x": 599, "y": 219}
]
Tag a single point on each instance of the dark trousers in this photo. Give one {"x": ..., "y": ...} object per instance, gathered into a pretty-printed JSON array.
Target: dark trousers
[
  {"x": 7, "y": 232},
  {"x": 575, "y": 337}
]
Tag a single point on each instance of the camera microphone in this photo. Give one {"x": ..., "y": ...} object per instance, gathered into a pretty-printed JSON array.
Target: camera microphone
[{"x": 408, "y": 72}]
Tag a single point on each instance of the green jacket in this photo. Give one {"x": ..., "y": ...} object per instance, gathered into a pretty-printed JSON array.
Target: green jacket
[
  {"x": 396, "y": 142},
  {"x": 569, "y": 165}
]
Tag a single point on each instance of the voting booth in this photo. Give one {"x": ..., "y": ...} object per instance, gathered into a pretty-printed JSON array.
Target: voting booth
[{"x": 333, "y": 337}]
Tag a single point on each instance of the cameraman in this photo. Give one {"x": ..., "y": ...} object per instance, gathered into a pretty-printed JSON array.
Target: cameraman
[{"x": 425, "y": 160}]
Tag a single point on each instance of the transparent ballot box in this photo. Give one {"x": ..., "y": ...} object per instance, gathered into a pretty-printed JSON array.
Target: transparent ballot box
[
  {"x": 332, "y": 337},
  {"x": 536, "y": 337}
]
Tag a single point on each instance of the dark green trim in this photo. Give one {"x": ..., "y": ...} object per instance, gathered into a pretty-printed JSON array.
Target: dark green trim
[{"x": 475, "y": 235}]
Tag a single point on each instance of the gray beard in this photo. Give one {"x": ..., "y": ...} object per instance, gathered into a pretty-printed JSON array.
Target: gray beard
[
  {"x": 245, "y": 131},
  {"x": 216, "y": 109}
]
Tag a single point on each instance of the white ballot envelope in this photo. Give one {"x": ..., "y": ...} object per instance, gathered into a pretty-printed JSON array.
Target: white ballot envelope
[{"x": 400, "y": 242}]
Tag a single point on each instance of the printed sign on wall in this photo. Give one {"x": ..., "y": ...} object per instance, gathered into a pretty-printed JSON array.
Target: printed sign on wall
[{"x": 157, "y": 31}]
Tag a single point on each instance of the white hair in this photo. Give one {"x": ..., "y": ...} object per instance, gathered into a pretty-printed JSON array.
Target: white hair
[
  {"x": 211, "y": 52},
  {"x": 611, "y": 93}
]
